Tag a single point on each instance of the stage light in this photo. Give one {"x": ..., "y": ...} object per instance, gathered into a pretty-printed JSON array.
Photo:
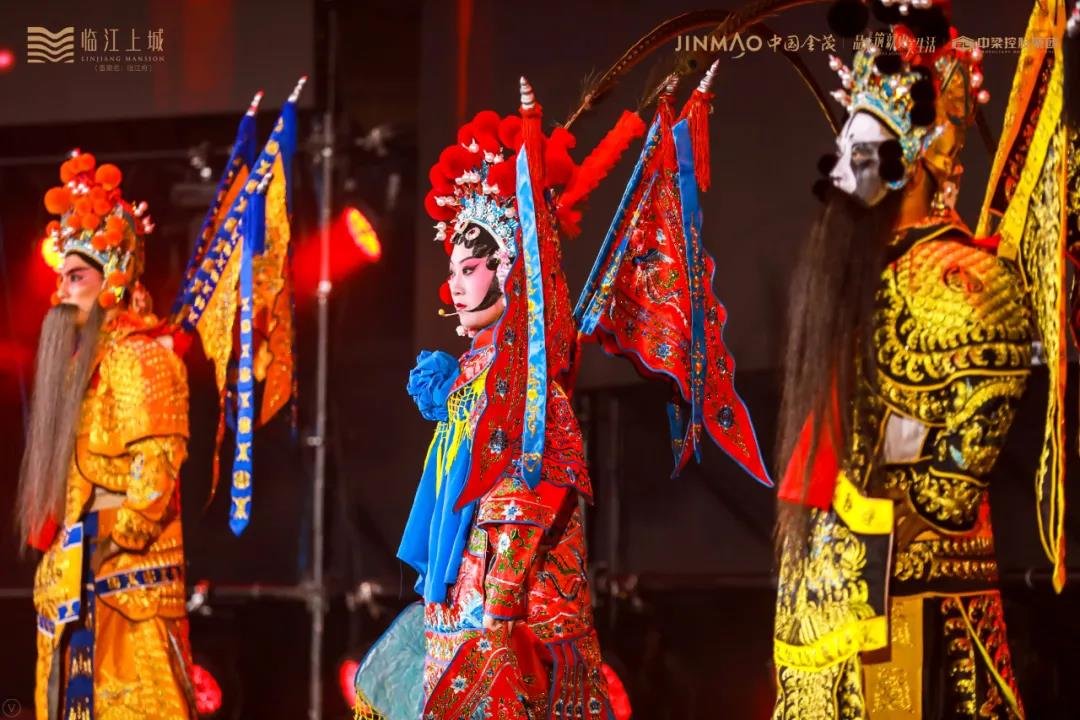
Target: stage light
[
  {"x": 347, "y": 680},
  {"x": 363, "y": 234},
  {"x": 50, "y": 254},
  {"x": 7, "y": 59},
  {"x": 354, "y": 243},
  {"x": 208, "y": 695}
]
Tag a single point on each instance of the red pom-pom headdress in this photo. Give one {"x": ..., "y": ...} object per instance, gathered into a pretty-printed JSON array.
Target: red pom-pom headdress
[
  {"x": 96, "y": 222},
  {"x": 474, "y": 180}
]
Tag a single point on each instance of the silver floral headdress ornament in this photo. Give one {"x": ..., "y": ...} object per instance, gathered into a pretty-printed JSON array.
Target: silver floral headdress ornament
[{"x": 473, "y": 183}]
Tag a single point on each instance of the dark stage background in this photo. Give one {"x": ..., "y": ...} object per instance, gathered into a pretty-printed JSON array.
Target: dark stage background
[{"x": 682, "y": 567}]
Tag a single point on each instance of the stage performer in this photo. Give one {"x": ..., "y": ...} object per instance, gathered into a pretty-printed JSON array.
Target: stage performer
[
  {"x": 909, "y": 348},
  {"x": 98, "y": 492},
  {"x": 495, "y": 531}
]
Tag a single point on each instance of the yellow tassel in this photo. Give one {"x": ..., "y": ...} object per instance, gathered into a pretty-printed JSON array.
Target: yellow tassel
[{"x": 362, "y": 710}]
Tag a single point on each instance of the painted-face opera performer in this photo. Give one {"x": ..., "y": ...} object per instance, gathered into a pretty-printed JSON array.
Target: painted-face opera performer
[{"x": 917, "y": 333}]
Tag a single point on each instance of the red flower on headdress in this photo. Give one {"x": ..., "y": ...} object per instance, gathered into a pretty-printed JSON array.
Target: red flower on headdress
[
  {"x": 114, "y": 223},
  {"x": 109, "y": 176},
  {"x": 441, "y": 213},
  {"x": 494, "y": 141},
  {"x": 58, "y": 200},
  {"x": 112, "y": 238},
  {"x": 510, "y": 131},
  {"x": 68, "y": 170},
  {"x": 504, "y": 176},
  {"x": 84, "y": 162}
]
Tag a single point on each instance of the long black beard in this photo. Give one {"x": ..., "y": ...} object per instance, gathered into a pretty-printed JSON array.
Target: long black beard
[
  {"x": 62, "y": 372},
  {"x": 830, "y": 322}
]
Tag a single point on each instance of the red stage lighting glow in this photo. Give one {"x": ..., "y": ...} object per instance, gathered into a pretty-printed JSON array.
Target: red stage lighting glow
[
  {"x": 7, "y": 59},
  {"x": 347, "y": 679},
  {"x": 363, "y": 234},
  {"x": 353, "y": 244},
  {"x": 208, "y": 695},
  {"x": 15, "y": 357},
  {"x": 49, "y": 253}
]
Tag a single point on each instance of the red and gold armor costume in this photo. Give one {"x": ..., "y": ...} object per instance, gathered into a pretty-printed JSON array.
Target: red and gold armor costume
[
  {"x": 132, "y": 440},
  {"x": 953, "y": 347}
]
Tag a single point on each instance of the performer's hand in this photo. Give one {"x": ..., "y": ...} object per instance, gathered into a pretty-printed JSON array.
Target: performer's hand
[
  {"x": 490, "y": 623},
  {"x": 105, "y": 550},
  {"x": 1072, "y": 27}
]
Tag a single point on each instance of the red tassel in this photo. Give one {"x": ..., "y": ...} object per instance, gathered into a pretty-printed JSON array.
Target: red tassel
[
  {"x": 697, "y": 114},
  {"x": 532, "y": 139},
  {"x": 990, "y": 244},
  {"x": 182, "y": 342},
  {"x": 601, "y": 160},
  {"x": 816, "y": 487},
  {"x": 43, "y": 539}
]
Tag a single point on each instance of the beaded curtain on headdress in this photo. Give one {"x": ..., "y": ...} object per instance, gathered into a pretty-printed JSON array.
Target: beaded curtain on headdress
[{"x": 95, "y": 221}]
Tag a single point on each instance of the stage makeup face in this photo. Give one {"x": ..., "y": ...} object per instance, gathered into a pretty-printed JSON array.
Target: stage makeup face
[
  {"x": 858, "y": 170},
  {"x": 80, "y": 285},
  {"x": 473, "y": 287}
]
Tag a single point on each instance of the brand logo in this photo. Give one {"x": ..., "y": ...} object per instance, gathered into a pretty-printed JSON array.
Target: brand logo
[{"x": 45, "y": 46}]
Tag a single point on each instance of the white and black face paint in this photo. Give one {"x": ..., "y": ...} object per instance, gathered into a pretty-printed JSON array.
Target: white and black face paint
[{"x": 858, "y": 168}]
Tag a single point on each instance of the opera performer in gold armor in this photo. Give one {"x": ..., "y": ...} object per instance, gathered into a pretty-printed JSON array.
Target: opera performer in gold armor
[
  {"x": 916, "y": 334},
  {"x": 98, "y": 492}
]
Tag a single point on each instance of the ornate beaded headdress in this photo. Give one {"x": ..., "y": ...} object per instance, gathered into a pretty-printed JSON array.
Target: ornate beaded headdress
[
  {"x": 474, "y": 181},
  {"x": 96, "y": 222},
  {"x": 924, "y": 86}
]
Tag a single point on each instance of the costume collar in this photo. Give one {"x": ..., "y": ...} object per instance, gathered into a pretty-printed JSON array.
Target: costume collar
[
  {"x": 483, "y": 338},
  {"x": 123, "y": 323},
  {"x": 929, "y": 228}
]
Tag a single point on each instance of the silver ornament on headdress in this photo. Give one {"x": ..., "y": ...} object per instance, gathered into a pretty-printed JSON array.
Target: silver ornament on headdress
[
  {"x": 528, "y": 99},
  {"x": 710, "y": 75}
]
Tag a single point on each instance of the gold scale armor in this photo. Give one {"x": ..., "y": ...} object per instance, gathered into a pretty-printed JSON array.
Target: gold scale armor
[
  {"x": 903, "y": 563},
  {"x": 131, "y": 442}
]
